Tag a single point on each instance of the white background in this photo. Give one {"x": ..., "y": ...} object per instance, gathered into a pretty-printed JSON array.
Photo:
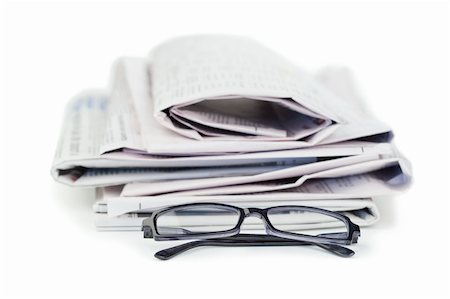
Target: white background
[{"x": 399, "y": 52}]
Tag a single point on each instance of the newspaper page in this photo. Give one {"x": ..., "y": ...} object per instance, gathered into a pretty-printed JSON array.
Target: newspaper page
[
  {"x": 385, "y": 181},
  {"x": 97, "y": 122},
  {"x": 84, "y": 127},
  {"x": 296, "y": 175},
  {"x": 162, "y": 138},
  {"x": 235, "y": 88},
  {"x": 122, "y": 167}
]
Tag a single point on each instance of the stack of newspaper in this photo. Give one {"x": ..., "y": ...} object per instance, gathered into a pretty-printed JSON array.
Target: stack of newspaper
[{"x": 224, "y": 119}]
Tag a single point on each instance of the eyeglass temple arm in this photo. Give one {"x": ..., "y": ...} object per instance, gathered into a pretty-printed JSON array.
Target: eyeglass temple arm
[
  {"x": 249, "y": 240},
  {"x": 341, "y": 235},
  {"x": 165, "y": 230}
]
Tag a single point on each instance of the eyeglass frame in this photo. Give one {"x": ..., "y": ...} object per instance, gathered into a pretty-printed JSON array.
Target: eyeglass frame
[{"x": 353, "y": 231}]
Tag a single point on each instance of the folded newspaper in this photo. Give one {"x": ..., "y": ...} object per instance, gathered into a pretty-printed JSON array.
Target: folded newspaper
[{"x": 224, "y": 119}]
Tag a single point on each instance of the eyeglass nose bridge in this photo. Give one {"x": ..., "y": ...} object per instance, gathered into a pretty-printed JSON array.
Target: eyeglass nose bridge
[
  {"x": 254, "y": 212},
  {"x": 258, "y": 213}
]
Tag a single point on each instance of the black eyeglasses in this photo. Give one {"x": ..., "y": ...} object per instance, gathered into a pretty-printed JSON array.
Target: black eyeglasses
[{"x": 214, "y": 224}]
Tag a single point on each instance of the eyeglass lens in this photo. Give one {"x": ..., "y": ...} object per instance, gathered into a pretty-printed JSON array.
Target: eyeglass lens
[{"x": 197, "y": 219}]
